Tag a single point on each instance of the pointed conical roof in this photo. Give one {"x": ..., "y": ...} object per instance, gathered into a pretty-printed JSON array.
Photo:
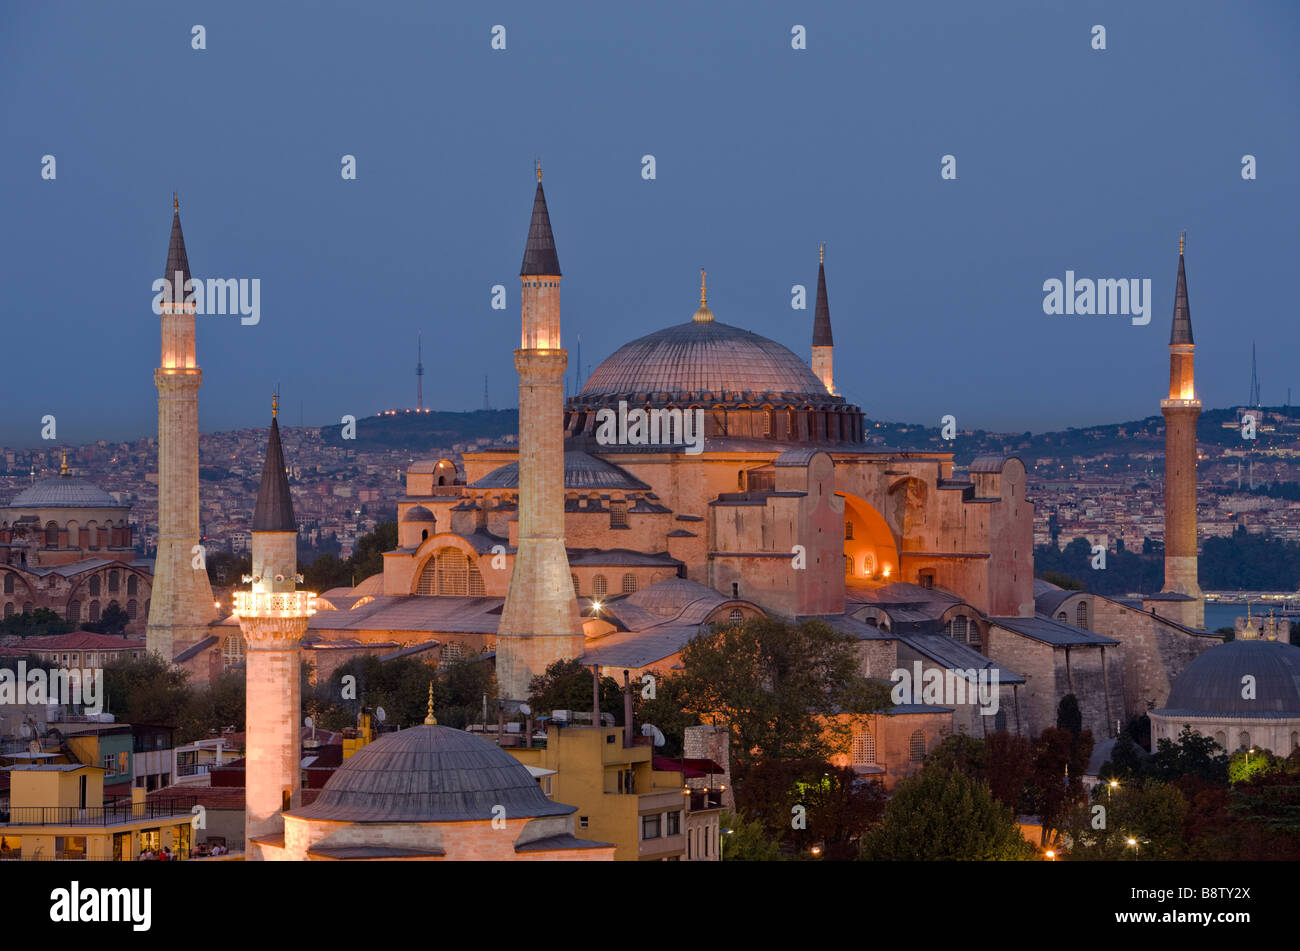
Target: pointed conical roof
[
  {"x": 274, "y": 512},
  {"x": 177, "y": 260},
  {"x": 539, "y": 253},
  {"x": 1181, "y": 332},
  {"x": 822, "y": 316}
]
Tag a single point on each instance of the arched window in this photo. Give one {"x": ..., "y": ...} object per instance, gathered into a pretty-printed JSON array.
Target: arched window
[
  {"x": 27, "y": 607},
  {"x": 428, "y": 578},
  {"x": 848, "y": 564},
  {"x": 94, "y": 611},
  {"x": 735, "y": 617},
  {"x": 9, "y": 583},
  {"x": 869, "y": 564},
  {"x": 1063, "y": 617},
  {"x": 918, "y": 746},
  {"x": 74, "y": 611},
  {"x": 848, "y": 530},
  {"x": 1081, "y": 615},
  {"x": 1222, "y": 739},
  {"x": 863, "y": 750},
  {"x": 957, "y": 628},
  {"x": 1243, "y": 740},
  {"x": 232, "y": 648},
  {"x": 131, "y": 608},
  {"x": 113, "y": 582},
  {"x": 94, "y": 589},
  {"x": 92, "y": 536},
  {"x": 132, "y": 585},
  {"x": 618, "y": 515},
  {"x": 629, "y": 583},
  {"x": 51, "y": 535},
  {"x": 598, "y": 587},
  {"x": 453, "y": 573},
  {"x": 574, "y": 579},
  {"x": 476, "y": 589},
  {"x": 9, "y": 609}
]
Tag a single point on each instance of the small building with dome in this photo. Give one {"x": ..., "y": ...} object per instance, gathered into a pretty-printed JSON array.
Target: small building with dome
[
  {"x": 431, "y": 793},
  {"x": 1243, "y": 694},
  {"x": 67, "y": 545}
]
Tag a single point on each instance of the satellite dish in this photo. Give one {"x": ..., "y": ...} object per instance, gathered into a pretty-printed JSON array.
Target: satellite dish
[
  {"x": 27, "y": 730},
  {"x": 380, "y": 715},
  {"x": 649, "y": 729},
  {"x": 307, "y": 722},
  {"x": 525, "y": 709}
]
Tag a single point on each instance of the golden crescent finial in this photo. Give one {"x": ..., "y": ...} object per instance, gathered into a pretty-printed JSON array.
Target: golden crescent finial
[
  {"x": 1182, "y": 242},
  {"x": 176, "y": 202},
  {"x": 539, "y": 169},
  {"x": 63, "y": 469},
  {"x": 704, "y": 288},
  {"x": 430, "y": 720},
  {"x": 275, "y": 403},
  {"x": 821, "y": 253}
]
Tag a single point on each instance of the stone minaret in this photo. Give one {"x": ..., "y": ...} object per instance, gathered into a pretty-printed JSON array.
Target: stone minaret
[
  {"x": 823, "y": 344},
  {"x": 1181, "y": 411},
  {"x": 540, "y": 622},
  {"x": 273, "y": 618},
  {"x": 180, "y": 607}
]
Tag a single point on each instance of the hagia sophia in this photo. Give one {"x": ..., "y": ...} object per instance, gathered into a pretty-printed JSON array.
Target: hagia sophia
[{"x": 619, "y": 553}]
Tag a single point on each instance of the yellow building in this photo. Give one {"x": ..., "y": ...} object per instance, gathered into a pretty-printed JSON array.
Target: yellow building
[
  {"x": 621, "y": 798},
  {"x": 51, "y": 817}
]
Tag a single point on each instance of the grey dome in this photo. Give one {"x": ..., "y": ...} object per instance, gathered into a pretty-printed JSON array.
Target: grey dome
[
  {"x": 1211, "y": 686},
  {"x": 430, "y": 774},
  {"x": 419, "y": 514},
  {"x": 702, "y": 356},
  {"x": 64, "y": 492}
]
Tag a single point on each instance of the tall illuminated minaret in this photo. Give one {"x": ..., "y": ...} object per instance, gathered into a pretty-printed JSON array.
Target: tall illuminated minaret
[
  {"x": 273, "y": 618},
  {"x": 180, "y": 607},
  {"x": 1181, "y": 411},
  {"x": 823, "y": 345},
  {"x": 540, "y": 622}
]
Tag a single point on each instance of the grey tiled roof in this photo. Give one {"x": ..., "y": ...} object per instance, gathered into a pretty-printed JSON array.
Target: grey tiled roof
[
  {"x": 1053, "y": 632},
  {"x": 955, "y": 655},
  {"x": 430, "y": 774},
  {"x": 581, "y": 471},
  {"x": 64, "y": 492},
  {"x": 177, "y": 259}
]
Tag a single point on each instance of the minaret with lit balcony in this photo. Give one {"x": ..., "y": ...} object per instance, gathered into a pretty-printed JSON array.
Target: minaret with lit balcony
[
  {"x": 273, "y": 618},
  {"x": 540, "y": 622},
  {"x": 180, "y": 606},
  {"x": 1181, "y": 411},
  {"x": 823, "y": 344}
]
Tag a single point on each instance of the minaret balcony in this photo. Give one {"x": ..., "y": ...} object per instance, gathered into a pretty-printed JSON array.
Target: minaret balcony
[
  {"x": 275, "y": 603},
  {"x": 1180, "y": 404}
]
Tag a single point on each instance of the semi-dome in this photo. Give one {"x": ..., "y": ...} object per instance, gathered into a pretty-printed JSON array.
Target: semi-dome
[
  {"x": 63, "y": 492},
  {"x": 703, "y": 356},
  {"x": 1212, "y": 685},
  {"x": 419, "y": 514},
  {"x": 430, "y": 774}
]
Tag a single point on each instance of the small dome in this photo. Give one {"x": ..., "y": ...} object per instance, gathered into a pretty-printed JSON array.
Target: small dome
[
  {"x": 430, "y": 774},
  {"x": 419, "y": 514},
  {"x": 1211, "y": 686},
  {"x": 64, "y": 492}
]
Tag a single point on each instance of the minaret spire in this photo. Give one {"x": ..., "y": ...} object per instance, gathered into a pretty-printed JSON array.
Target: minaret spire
[
  {"x": 823, "y": 344},
  {"x": 1181, "y": 331}
]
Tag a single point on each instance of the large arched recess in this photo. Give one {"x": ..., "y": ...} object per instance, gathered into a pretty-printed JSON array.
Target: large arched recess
[{"x": 873, "y": 548}]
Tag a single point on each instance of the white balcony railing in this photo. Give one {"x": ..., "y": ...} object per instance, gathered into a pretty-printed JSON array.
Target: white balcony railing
[{"x": 275, "y": 603}]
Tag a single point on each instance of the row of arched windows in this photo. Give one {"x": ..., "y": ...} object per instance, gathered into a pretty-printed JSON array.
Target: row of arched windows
[
  {"x": 600, "y": 585},
  {"x": 92, "y": 536},
  {"x": 74, "y": 612},
  {"x": 862, "y": 751},
  {"x": 868, "y": 565},
  {"x": 1080, "y": 616}
]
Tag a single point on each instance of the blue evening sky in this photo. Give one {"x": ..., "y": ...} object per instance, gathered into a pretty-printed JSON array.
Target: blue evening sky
[{"x": 1067, "y": 158}]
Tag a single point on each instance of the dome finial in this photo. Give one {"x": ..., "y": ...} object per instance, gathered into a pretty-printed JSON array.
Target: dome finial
[
  {"x": 63, "y": 469},
  {"x": 704, "y": 314},
  {"x": 430, "y": 720},
  {"x": 539, "y": 169},
  {"x": 275, "y": 402},
  {"x": 1182, "y": 241},
  {"x": 176, "y": 202},
  {"x": 821, "y": 253}
]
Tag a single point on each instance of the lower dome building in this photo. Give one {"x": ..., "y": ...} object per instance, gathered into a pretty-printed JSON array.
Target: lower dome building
[
  {"x": 431, "y": 793},
  {"x": 1244, "y": 694}
]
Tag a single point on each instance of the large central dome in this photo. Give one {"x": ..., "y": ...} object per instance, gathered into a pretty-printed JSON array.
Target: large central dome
[{"x": 703, "y": 356}]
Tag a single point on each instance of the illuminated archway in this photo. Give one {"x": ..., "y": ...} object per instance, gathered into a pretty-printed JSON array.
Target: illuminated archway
[{"x": 870, "y": 551}]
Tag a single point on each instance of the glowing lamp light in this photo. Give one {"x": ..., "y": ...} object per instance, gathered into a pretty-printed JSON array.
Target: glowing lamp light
[
  {"x": 885, "y": 571},
  {"x": 1051, "y": 856},
  {"x": 1131, "y": 841}
]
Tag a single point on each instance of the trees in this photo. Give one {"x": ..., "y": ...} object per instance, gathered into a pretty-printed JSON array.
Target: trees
[
  {"x": 1193, "y": 755},
  {"x": 837, "y": 806},
  {"x": 1135, "y": 821},
  {"x": 566, "y": 685},
  {"x": 400, "y": 686},
  {"x": 1068, "y": 715},
  {"x": 40, "y": 622},
  {"x": 148, "y": 690},
  {"x": 771, "y": 682},
  {"x": 940, "y": 815},
  {"x": 745, "y": 840},
  {"x": 113, "y": 621}
]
